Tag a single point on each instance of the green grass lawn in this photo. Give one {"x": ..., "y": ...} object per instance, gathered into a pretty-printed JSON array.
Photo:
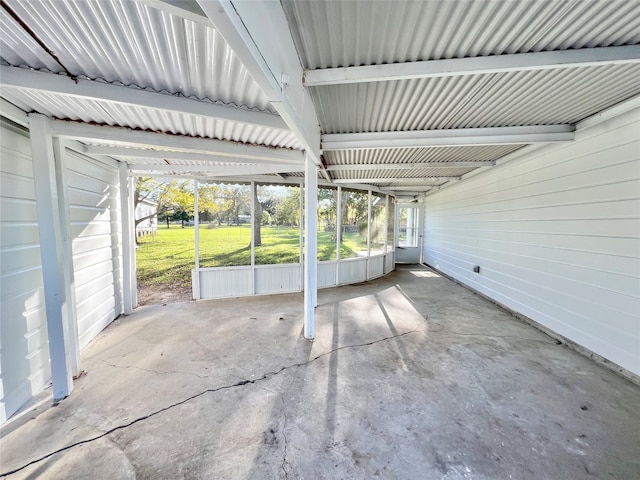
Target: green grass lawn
[{"x": 167, "y": 257}]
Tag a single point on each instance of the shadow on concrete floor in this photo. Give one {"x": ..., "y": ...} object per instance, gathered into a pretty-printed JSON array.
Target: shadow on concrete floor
[{"x": 411, "y": 376}]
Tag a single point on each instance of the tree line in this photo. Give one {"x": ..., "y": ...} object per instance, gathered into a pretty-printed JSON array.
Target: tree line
[
  {"x": 230, "y": 204},
  {"x": 219, "y": 204}
]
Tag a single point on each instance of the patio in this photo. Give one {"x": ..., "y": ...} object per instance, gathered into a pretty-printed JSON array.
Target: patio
[{"x": 411, "y": 376}]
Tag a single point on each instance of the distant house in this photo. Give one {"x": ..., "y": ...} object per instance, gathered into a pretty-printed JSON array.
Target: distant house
[{"x": 149, "y": 211}]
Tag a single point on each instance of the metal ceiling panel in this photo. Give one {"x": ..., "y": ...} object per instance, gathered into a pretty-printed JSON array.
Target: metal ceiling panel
[
  {"x": 18, "y": 48},
  {"x": 331, "y": 34},
  {"x": 130, "y": 43},
  {"x": 111, "y": 113},
  {"x": 416, "y": 155},
  {"x": 401, "y": 174},
  {"x": 543, "y": 97},
  {"x": 186, "y": 163}
]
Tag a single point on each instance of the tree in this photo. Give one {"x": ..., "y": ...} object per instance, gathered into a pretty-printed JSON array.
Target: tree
[
  {"x": 171, "y": 198},
  {"x": 183, "y": 200},
  {"x": 148, "y": 189},
  {"x": 287, "y": 209},
  {"x": 267, "y": 204}
]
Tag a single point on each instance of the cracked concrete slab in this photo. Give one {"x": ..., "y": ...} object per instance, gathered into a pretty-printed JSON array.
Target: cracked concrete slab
[{"x": 410, "y": 376}]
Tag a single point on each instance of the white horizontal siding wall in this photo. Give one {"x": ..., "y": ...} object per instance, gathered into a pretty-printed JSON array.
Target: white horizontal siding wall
[
  {"x": 271, "y": 279},
  {"x": 327, "y": 274},
  {"x": 376, "y": 267},
  {"x": 353, "y": 270},
  {"x": 24, "y": 347},
  {"x": 94, "y": 212},
  {"x": 389, "y": 262},
  {"x": 556, "y": 234},
  {"x": 225, "y": 282}
]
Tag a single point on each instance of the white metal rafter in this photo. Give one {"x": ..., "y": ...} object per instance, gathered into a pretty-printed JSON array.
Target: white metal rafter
[
  {"x": 258, "y": 33},
  {"x": 128, "y": 153},
  {"x": 586, "y": 57},
  {"x": 138, "y": 138},
  {"x": 410, "y": 166},
  {"x": 449, "y": 138},
  {"x": 218, "y": 170},
  {"x": 93, "y": 90},
  {"x": 419, "y": 181},
  {"x": 414, "y": 188}
]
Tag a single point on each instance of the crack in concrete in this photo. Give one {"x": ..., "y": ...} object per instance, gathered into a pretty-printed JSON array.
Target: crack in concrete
[
  {"x": 285, "y": 463},
  {"x": 265, "y": 376}
]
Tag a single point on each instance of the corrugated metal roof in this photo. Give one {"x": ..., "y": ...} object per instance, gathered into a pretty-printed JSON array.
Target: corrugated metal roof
[
  {"x": 128, "y": 42},
  {"x": 347, "y": 33},
  {"x": 186, "y": 162},
  {"x": 134, "y": 44},
  {"x": 111, "y": 113},
  {"x": 544, "y": 97},
  {"x": 414, "y": 155},
  {"x": 18, "y": 48},
  {"x": 402, "y": 174}
]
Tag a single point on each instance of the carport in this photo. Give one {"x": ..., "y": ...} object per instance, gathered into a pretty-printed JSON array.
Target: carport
[
  {"x": 410, "y": 376},
  {"x": 507, "y": 133}
]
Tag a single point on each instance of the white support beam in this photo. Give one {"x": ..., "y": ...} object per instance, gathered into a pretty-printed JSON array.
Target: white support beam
[
  {"x": 51, "y": 255},
  {"x": 369, "y": 200},
  {"x": 414, "y": 188},
  {"x": 258, "y": 33},
  {"x": 68, "y": 275},
  {"x": 196, "y": 239},
  {"x": 450, "y": 137},
  {"x": 517, "y": 62},
  {"x": 127, "y": 136},
  {"x": 410, "y": 166},
  {"x": 129, "y": 283},
  {"x": 293, "y": 157},
  {"x": 310, "y": 246},
  {"x": 188, "y": 10},
  {"x": 219, "y": 171},
  {"x": 421, "y": 180},
  {"x": 252, "y": 242},
  {"x": 278, "y": 181},
  {"x": 107, "y": 92}
]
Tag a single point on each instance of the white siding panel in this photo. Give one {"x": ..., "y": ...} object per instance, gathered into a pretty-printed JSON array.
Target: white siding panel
[
  {"x": 327, "y": 274},
  {"x": 225, "y": 282},
  {"x": 376, "y": 267},
  {"x": 389, "y": 262},
  {"x": 278, "y": 279},
  {"x": 352, "y": 271},
  {"x": 24, "y": 348},
  {"x": 94, "y": 210},
  {"x": 556, "y": 234}
]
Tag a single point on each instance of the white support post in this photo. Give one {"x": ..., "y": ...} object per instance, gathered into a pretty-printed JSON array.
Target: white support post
[
  {"x": 310, "y": 246},
  {"x": 386, "y": 225},
  {"x": 196, "y": 226},
  {"x": 51, "y": 246},
  {"x": 129, "y": 285},
  {"x": 338, "y": 231},
  {"x": 396, "y": 223},
  {"x": 252, "y": 238},
  {"x": 338, "y": 221},
  {"x": 421, "y": 222},
  {"x": 301, "y": 235},
  {"x": 369, "y": 200},
  {"x": 59, "y": 153}
]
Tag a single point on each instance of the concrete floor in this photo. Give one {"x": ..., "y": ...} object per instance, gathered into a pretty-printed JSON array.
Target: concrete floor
[{"x": 229, "y": 389}]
